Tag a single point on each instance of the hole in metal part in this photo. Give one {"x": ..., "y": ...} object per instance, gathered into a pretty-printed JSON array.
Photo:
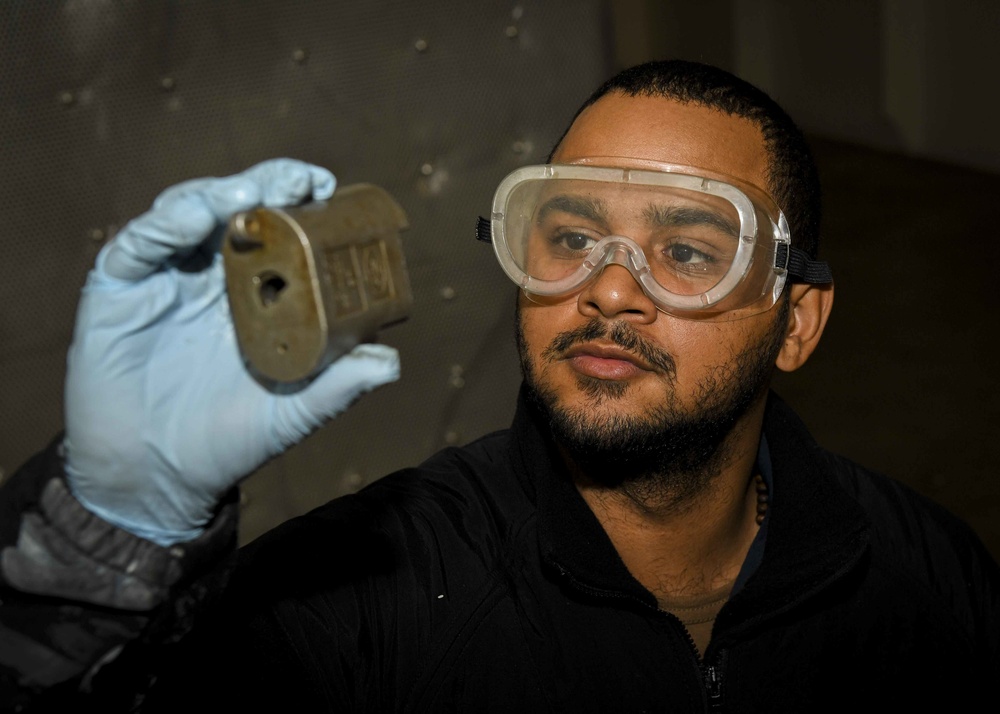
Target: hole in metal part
[{"x": 269, "y": 288}]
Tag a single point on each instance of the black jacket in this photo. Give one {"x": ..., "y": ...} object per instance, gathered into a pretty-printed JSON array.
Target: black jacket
[{"x": 481, "y": 581}]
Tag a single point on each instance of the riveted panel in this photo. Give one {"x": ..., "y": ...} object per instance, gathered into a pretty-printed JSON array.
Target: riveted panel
[{"x": 104, "y": 104}]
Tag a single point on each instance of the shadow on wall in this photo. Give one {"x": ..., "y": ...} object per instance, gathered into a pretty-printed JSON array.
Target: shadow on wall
[{"x": 901, "y": 382}]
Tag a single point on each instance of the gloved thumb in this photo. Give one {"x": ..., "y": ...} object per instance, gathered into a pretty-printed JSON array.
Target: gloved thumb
[{"x": 366, "y": 367}]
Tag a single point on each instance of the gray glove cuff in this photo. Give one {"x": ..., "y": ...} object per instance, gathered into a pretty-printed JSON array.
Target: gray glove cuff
[{"x": 64, "y": 550}]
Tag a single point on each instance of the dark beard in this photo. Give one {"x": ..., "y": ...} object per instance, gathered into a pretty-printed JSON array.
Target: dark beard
[{"x": 666, "y": 451}]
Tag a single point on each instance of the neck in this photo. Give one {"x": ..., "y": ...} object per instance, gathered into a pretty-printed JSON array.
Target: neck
[{"x": 679, "y": 541}]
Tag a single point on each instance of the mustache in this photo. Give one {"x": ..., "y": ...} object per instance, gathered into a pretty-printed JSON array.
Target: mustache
[{"x": 621, "y": 334}]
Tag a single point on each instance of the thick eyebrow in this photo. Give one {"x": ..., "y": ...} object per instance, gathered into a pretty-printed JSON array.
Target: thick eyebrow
[
  {"x": 667, "y": 216},
  {"x": 589, "y": 208}
]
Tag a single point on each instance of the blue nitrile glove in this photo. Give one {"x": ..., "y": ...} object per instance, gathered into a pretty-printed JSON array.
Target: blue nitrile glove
[{"x": 162, "y": 417}]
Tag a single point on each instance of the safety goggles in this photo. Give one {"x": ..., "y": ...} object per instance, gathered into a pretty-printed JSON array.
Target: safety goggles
[{"x": 701, "y": 246}]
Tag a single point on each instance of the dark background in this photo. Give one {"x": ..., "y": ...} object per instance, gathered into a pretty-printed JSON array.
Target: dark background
[{"x": 103, "y": 104}]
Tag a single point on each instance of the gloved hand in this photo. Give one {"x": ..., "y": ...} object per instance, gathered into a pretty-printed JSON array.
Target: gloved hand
[{"x": 162, "y": 417}]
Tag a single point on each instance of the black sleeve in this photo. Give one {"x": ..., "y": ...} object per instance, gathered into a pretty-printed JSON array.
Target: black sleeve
[{"x": 86, "y": 609}]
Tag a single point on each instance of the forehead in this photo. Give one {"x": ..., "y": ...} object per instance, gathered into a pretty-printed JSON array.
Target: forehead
[
  {"x": 611, "y": 203},
  {"x": 665, "y": 130}
]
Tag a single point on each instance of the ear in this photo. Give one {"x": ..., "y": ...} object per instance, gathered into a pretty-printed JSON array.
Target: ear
[{"x": 809, "y": 309}]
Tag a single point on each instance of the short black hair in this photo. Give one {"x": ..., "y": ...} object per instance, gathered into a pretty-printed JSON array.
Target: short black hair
[{"x": 793, "y": 180}]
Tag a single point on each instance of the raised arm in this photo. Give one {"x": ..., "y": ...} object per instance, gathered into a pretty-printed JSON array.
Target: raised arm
[{"x": 163, "y": 420}]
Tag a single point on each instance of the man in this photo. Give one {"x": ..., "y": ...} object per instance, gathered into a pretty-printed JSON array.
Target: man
[{"x": 656, "y": 530}]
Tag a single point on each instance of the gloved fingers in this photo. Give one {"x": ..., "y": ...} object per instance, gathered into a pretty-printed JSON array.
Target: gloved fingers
[
  {"x": 363, "y": 369},
  {"x": 184, "y": 215},
  {"x": 285, "y": 182},
  {"x": 143, "y": 245},
  {"x": 275, "y": 182}
]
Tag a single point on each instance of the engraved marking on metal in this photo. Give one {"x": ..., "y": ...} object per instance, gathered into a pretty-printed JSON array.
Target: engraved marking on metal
[
  {"x": 377, "y": 272},
  {"x": 348, "y": 298}
]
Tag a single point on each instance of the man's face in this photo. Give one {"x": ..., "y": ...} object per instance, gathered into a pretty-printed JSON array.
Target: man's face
[{"x": 624, "y": 383}]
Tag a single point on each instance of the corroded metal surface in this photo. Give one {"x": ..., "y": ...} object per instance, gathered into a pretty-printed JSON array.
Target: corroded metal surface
[{"x": 308, "y": 283}]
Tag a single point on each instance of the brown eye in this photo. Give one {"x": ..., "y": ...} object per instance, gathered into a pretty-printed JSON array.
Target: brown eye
[
  {"x": 576, "y": 241},
  {"x": 686, "y": 254}
]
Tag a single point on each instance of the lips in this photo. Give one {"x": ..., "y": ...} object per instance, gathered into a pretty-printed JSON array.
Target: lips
[
  {"x": 614, "y": 350},
  {"x": 605, "y": 361}
]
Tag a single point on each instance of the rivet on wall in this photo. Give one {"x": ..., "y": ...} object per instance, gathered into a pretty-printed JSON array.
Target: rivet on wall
[
  {"x": 521, "y": 146},
  {"x": 447, "y": 293},
  {"x": 300, "y": 55},
  {"x": 457, "y": 379},
  {"x": 354, "y": 480},
  {"x": 67, "y": 98},
  {"x": 168, "y": 84},
  {"x": 451, "y": 437},
  {"x": 516, "y": 13},
  {"x": 420, "y": 45},
  {"x": 97, "y": 235},
  {"x": 434, "y": 181}
]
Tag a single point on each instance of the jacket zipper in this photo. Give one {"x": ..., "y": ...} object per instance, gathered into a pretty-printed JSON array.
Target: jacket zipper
[
  {"x": 712, "y": 677},
  {"x": 711, "y": 674}
]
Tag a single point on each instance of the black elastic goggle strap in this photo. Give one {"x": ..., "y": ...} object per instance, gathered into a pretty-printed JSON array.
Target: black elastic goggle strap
[
  {"x": 802, "y": 268},
  {"x": 483, "y": 231}
]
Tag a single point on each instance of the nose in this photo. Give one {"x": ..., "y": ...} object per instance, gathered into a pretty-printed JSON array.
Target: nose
[{"x": 615, "y": 294}]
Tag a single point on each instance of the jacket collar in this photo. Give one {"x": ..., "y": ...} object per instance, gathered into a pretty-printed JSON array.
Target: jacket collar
[
  {"x": 815, "y": 530},
  {"x": 571, "y": 539},
  {"x": 816, "y": 533}
]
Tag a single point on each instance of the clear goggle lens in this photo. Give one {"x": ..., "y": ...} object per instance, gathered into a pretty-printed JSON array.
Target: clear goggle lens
[{"x": 699, "y": 246}]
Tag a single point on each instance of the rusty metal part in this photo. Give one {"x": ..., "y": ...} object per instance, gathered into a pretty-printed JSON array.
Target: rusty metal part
[{"x": 308, "y": 283}]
